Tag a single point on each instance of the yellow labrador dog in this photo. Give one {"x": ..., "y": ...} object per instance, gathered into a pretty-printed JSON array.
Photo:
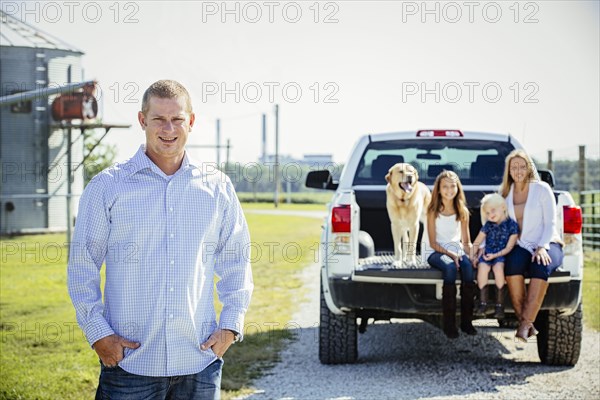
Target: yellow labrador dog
[{"x": 406, "y": 200}]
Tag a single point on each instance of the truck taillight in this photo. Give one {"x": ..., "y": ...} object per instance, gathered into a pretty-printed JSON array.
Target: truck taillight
[
  {"x": 340, "y": 219},
  {"x": 572, "y": 219},
  {"x": 439, "y": 133}
]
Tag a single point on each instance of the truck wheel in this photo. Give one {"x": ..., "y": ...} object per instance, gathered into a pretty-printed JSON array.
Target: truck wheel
[
  {"x": 337, "y": 336},
  {"x": 559, "y": 340}
]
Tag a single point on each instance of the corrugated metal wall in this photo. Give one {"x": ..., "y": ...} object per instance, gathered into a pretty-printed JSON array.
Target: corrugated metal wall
[
  {"x": 21, "y": 162},
  {"x": 28, "y": 147}
]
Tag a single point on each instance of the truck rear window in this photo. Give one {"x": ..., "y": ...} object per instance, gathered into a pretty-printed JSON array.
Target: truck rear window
[{"x": 477, "y": 162}]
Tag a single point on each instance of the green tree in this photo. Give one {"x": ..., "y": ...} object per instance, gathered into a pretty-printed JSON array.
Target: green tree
[
  {"x": 98, "y": 155},
  {"x": 257, "y": 177},
  {"x": 566, "y": 174}
]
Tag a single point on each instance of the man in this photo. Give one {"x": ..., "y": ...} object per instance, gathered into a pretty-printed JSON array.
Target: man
[{"x": 164, "y": 228}]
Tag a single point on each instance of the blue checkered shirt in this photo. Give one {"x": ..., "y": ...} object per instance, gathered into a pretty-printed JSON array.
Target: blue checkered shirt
[{"x": 163, "y": 239}]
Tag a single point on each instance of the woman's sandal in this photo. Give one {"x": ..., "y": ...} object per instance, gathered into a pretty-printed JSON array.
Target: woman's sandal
[{"x": 525, "y": 331}]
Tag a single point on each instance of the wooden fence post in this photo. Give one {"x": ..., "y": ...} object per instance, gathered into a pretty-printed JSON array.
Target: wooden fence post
[{"x": 581, "y": 172}]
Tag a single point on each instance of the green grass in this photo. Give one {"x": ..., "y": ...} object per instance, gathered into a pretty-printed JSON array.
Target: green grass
[
  {"x": 285, "y": 207},
  {"x": 319, "y": 197},
  {"x": 591, "y": 290},
  {"x": 43, "y": 354},
  {"x": 277, "y": 287}
]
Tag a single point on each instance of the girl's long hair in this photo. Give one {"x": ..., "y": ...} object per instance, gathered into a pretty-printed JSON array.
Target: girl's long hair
[
  {"x": 507, "y": 180},
  {"x": 459, "y": 201}
]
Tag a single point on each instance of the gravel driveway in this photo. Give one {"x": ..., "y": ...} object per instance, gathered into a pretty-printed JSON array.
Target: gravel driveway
[{"x": 410, "y": 359}]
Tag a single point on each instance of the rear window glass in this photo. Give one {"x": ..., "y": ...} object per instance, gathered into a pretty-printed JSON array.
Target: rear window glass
[{"x": 477, "y": 162}]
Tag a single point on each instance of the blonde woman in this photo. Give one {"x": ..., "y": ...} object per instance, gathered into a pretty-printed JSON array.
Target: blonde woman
[{"x": 538, "y": 252}]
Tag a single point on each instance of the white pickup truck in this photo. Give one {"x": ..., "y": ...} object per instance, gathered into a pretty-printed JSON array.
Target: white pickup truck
[{"x": 361, "y": 282}]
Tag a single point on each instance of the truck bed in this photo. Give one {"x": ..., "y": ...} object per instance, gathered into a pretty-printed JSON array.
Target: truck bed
[
  {"x": 375, "y": 221},
  {"x": 383, "y": 266}
]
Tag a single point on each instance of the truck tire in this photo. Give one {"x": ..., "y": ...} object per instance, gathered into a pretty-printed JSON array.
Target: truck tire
[
  {"x": 559, "y": 340},
  {"x": 337, "y": 336}
]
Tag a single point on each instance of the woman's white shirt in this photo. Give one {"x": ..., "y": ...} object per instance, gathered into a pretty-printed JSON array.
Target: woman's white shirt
[{"x": 539, "y": 217}]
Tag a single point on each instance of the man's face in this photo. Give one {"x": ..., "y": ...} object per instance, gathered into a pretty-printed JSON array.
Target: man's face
[{"x": 167, "y": 125}]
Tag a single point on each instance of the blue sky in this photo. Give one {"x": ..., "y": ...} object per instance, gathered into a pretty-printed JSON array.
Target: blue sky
[{"x": 342, "y": 69}]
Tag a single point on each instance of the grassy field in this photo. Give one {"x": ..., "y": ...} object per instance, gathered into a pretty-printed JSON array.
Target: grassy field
[
  {"x": 285, "y": 207},
  {"x": 591, "y": 290},
  {"x": 320, "y": 197},
  {"x": 45, "y": 356},
  {"x": 277, "y": 288},
  {"x": 43, "y": 352}
]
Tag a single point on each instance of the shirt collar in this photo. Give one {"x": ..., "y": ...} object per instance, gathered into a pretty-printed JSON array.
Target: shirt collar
[{"x": 141, "y": 161}]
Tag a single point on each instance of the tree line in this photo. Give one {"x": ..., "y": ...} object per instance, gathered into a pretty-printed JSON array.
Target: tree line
[
  {"x": 566, "y": 174},
  {"x": 260, "y": 178}
]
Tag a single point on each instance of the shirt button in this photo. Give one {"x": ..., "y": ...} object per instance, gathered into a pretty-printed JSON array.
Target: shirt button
[
  {"x": 171, "y": 289},
  {"x": 172, "y": 235},
  {"x": 172, "y": 262},
  {"x": 171, "y": 316},
  {"x": 171, "y": 209}
]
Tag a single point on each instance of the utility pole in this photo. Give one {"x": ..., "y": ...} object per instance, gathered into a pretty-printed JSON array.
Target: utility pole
[
  {"x": 549, "y": 166},
  {"x": 69, "y": 174},
  {"x": 264, "y": 138},
  {"x": 227, "y": 156},
  {"x": 218, "y": 143},
  {"x": 69, "y": 185},
  {"x": 276, "y": 199},
  {"x": 581, "y": 171}
]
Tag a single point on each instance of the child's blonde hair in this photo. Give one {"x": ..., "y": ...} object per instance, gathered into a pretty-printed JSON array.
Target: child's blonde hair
[
  {"x": 459, "y": 201},
  {"x": 491, "y": 200}
]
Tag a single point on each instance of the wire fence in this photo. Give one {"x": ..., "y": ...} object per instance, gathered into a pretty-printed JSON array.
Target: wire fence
[{"x": 590, "y": 209}]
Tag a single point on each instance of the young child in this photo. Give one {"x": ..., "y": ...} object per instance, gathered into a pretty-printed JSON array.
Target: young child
[
  {"x": 448, "y": 229},
  {"x": 500, "y": 234}
]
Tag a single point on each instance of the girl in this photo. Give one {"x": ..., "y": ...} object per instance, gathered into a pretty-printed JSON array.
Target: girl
[
  {"x": 448, "y": 229},
  {"x": 500, "y": 234}
]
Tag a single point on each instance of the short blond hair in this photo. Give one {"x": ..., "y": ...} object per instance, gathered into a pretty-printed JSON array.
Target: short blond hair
[
  {"x": 507, "y": 180},
  {"x": 491, "y": 200},
  {"x": 166, "y": 89}
]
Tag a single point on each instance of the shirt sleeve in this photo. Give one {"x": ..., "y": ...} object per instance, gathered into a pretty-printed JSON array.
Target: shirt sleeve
[
  {"x": 548, "y": 206},
  {"x": 513, "y": 227},
  {"x": 486, "y": 227},
  {"x": 87, "y": 251},
  {"x": 233, "y": 264}
]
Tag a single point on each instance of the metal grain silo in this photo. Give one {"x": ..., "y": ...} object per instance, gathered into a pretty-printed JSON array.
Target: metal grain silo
[{"x": 33, "y": 151}]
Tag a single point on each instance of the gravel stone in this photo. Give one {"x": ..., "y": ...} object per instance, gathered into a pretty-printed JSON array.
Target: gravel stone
[{"x": 410, "y": 359}]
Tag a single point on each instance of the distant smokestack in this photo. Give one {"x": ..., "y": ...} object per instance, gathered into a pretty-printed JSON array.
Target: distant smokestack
[{"x": 264, "y": 138}]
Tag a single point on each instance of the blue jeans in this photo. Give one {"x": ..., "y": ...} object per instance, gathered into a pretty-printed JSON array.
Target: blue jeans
[
  {"x": 116, "y": 383},
  {"x": 446, "y": 265},
  {"x": 518, "y": 262}
]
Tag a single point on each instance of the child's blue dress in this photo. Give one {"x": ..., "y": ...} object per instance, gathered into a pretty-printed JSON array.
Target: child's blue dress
[{"x": 496, "y": 237}]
